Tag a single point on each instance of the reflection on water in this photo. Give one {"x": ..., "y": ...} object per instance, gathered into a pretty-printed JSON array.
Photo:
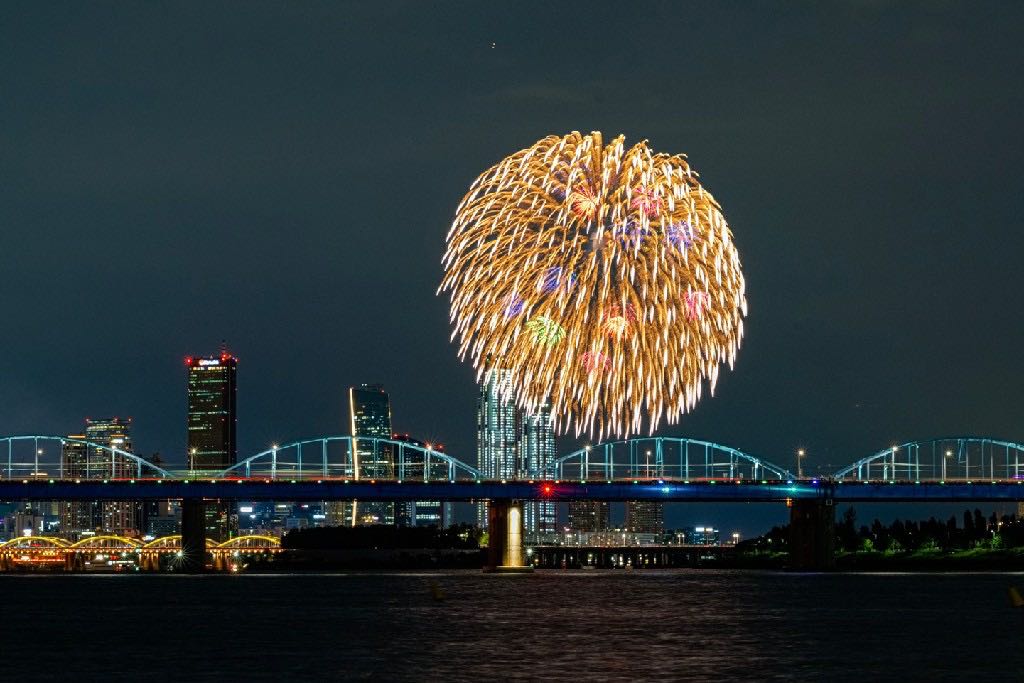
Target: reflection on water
[{"x": 696, "y": 624}]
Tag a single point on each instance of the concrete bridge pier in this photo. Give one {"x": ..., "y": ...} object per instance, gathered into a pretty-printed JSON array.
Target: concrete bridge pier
[
  {"x": 812, "y": 532},
  {"x": 149, "y": 561},
  {"x": 193, "y": 535},
  {"x": 505, "y": 537}
]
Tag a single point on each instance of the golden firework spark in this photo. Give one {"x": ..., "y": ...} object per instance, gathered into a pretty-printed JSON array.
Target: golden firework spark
[{"x": 604, "y": 278}]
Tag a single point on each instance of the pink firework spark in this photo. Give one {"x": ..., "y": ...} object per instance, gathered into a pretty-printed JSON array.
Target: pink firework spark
[
  {"x": 645, "y": 200},
  {"x": 595, "y": 360},
  {"x": 696, "y": 304}
]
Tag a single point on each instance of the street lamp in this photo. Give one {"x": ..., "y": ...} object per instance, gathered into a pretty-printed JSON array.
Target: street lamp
[
  {"x": 949, "y": 454},
  {"x": 799, "y": 463}
]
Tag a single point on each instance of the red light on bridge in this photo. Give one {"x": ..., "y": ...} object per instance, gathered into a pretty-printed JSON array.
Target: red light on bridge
[{"x": 547, "y": 489}]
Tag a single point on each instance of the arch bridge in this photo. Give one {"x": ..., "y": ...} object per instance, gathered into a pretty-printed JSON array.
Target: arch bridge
[
  {"x": 33, "y": 552},
  {"x": 957, "y": 458},
  {"x": 661, "y": 469},
  {"x": 39, "y": 457},
  {"x": 678, "y": 459},
  {"x": 354, "y": 458}
]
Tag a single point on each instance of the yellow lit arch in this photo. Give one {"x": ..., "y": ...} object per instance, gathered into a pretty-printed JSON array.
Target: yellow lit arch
[
  {"x": 241, "y": 542},
  {"x": 100, "y": 542},
  {"x": 172, "y": 542},
  {"x": 46, "y": 541}
]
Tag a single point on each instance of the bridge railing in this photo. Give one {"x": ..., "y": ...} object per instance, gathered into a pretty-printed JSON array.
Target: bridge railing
[
  {"x": 959, "y": 458},
  {"x": 664, "y": 458},
  {"x": 56, "y": 457},
  {"x": 346, "y": 457}
]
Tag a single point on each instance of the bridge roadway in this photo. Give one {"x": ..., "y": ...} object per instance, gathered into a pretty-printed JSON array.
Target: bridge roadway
[{"x": 667, "y": 491}]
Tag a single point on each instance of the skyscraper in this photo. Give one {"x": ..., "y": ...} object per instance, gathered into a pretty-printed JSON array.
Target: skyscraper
[
  {"x": 212, "y": 429},
  {"x": 497, "y": 431},
  {"x": 370, "y": 417},
  {"x": 87, "y": 461},
  {"x": 212, "y": 413},
  {"x": 536, "y": 458}
]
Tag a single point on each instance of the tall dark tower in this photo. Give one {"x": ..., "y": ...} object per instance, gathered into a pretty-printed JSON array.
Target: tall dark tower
[
  {"x": 212, "y": 429},
  {"x": 212, "y": 412}
]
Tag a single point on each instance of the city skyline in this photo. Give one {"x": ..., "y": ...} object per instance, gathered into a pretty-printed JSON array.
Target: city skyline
[
  {"x": 874, "y": 273},
  {"x": 710, "y": 311}
]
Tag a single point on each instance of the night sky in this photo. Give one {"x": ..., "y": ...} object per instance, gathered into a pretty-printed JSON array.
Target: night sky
[{"x": 282, "y": 176}]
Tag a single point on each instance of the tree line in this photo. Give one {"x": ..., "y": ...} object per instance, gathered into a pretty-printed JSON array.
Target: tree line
[{"x": 970, "y": 531}]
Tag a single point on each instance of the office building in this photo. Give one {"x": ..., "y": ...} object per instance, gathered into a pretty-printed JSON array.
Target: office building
[
  {"x": 370, "y": 416},
  {"x": 498, "y": 427},
  {"x": 212, "y": 412},
  {"x": 212, "y": 429},
  {"x": 703, "y": 535},
  {"x": 369, "y": 420}
]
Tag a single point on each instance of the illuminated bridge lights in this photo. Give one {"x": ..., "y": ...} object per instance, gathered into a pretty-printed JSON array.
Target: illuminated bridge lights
[{"x": 648, "y": 460}]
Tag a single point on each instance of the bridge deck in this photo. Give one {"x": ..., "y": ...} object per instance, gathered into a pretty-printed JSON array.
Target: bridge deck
[{"x": 668, "y": 491}]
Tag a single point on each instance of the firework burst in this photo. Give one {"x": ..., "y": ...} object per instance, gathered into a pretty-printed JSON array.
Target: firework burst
[{"x": 604, "y": 278}]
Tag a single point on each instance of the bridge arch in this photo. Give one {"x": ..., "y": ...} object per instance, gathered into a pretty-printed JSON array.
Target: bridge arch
[
  {"x": 34, "y": 542},
  {"x": 172, "y": 542},
  {"x": 664, "y": 458},
  {"x": 249, "y": 541},
  {"x": 41, "y": 457},
  {"x": 106, "y": 543},
  {"x": 955, "y": 458},
  {"x": 347, "y": 457}
]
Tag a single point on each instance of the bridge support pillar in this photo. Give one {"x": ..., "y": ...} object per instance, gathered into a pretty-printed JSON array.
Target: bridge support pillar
[
  {"x": 812, "y": 532},
  {"x": 505, "y": 537},
  {"x": 193, "y": 535}
]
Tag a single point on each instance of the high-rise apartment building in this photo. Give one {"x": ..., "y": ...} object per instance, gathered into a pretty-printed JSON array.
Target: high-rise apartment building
[
  {"x": 498, "y": 427},
  {"x": 645, "y": 517},
  {"x": 512, "y": 444},
  {"x": 369, "y": 420},
  {"x": 212, "y": 429},
  {"x": 84, "y": 458},
  {"x": 536, "y": 459},
  {"x": 79, "y": 515},
  {"x": 588, "y": 515}
]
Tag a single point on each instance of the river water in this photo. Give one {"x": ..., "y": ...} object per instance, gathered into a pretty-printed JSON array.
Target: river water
[{"x": 563, "y": 625}]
